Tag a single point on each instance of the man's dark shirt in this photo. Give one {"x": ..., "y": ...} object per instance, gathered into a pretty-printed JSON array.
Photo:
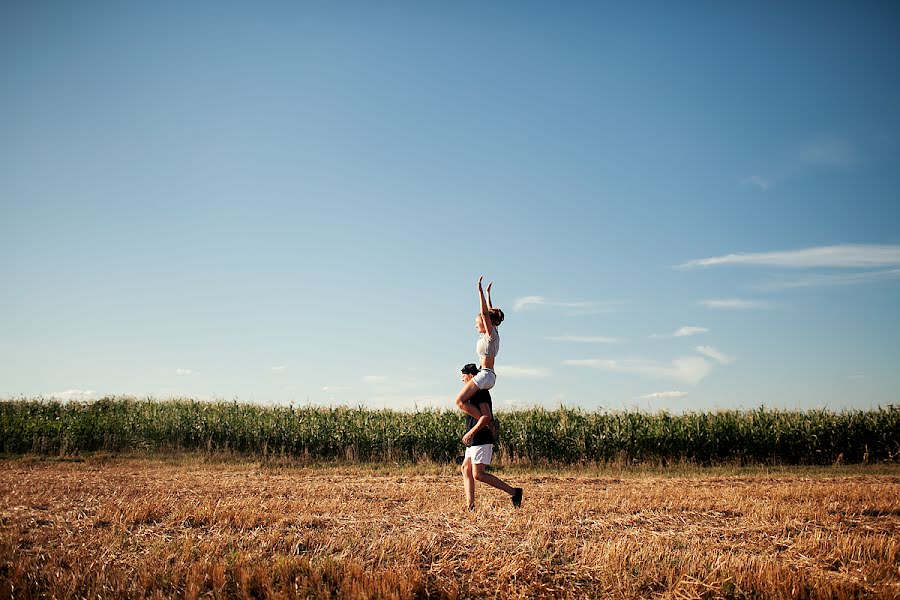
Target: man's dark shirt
[{"x": 483, "y": 436}]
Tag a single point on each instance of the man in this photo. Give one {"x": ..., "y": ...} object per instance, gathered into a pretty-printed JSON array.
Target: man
[{"x": 479, "y": 443}]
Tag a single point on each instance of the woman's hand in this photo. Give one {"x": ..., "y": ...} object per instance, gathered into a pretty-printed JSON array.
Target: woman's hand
[
  {"x": 467, "y": 439},
  {"x": 484, "y": 306}
]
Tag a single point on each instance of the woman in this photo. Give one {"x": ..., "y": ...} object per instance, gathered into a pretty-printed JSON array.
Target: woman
[
  {"x": 479, "y": 443},
  {"x": 487, "y": 347}
]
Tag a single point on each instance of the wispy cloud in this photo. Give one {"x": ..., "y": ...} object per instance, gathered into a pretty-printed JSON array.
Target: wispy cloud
[
  {"x": 758, "y": 181},
  {"x": 661, "y": 395},
  {"x": 586, "y": 339},
  {"x": 688, "y": 369},
  {"x": 689, "y": 330},
  {"x": 719, "y": 357},
  {"x": 856, "y": 376},
  {"x": 278, "y": 369},
  {"x": 510, "y": 404},
  {"x": 336, "y": 388},
  {"x": 411, "y": 402},
  {"x": 860, "y": 263},
  {"x": 825, "y": 280},
  {"x": 181, "y": 371},
  {"x": 734, "y": 304},
  {"x": 572, "y": 308},
  {"x": 73, "y": 395},
  {"x": 685, "y": 331},
  {"x": 825, "y": 152},
  {"x": 406, "y": 385},
  {"x": 828, "y": 153},
  {"x": 840, "y": 256},
  {"x": 522, "y": 372}
]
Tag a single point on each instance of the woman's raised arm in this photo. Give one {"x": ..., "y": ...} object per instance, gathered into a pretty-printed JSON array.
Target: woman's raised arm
[{"x": 485, "y": 309}]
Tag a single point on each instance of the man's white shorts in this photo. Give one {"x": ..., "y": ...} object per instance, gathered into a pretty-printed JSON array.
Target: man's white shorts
[
  {"x": 485, "y": 379},
  {"x": 480, "y": 455}
]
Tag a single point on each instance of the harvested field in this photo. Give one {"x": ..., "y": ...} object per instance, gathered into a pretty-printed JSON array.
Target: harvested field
[{"x": 190, "y": 527}]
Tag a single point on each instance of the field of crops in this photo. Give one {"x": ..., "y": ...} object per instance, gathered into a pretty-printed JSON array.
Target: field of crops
[
  {"x": 562, "y": 436},
  {"x": 198, "y": 526}
]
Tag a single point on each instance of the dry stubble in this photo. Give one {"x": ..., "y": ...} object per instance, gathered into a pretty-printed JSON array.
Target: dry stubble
[{"x": 148, "y": 527}]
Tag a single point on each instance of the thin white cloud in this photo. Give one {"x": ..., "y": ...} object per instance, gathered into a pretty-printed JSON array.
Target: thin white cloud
[
  {"x": 856, "y": 376},
  {"x": 841, "y": 256},
  {"x": 734, "y": 304},
  {"x": 661, "y": 395},
  {"x": 719, "y": 357},
  {"x": 689, "y": 369},
  {"x": 577, "y": 307},
  {"x": 528, "y": 302},
  {"x": 181, "y": 371},
  {"x": 510, "y": 404},
  {"x": 279, "y": 369},
  {"x": 689, "y": 330},
  {"x": 522, "y": 372},
  {"x": 409, "y": 402},
  {"x": 828, "y": 153},
  {"x": 823, "y": 280},
  {"x": 72, "y": 395},
  {"x": 405, "y": 385},
  {"x": 757, "y": 181},
  {"x": 336, "y": 388},
  {"x": 586, "y": 339},
  {"x": 685, "y": 331}
]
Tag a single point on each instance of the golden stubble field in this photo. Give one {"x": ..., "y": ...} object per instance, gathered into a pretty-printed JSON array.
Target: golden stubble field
[{"x": 193, "y": 527}]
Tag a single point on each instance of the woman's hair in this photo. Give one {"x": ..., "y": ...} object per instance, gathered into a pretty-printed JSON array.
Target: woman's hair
[{"x": 496, "y": 316}]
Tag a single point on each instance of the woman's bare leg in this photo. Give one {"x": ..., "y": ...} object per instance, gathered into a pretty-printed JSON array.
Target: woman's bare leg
[{"x": 462, "y": 400}]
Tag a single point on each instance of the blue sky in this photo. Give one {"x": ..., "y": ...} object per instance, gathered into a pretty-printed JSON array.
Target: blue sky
[{"x": 683, "y": 207}]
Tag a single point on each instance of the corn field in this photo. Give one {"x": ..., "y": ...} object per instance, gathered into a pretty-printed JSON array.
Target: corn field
[{"x": 535, "y": 436}]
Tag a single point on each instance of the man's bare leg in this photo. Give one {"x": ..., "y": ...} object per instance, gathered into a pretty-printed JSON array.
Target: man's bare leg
[
  {"x": 468, "y": 482},
  {"x": 493, "y": 481}
]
